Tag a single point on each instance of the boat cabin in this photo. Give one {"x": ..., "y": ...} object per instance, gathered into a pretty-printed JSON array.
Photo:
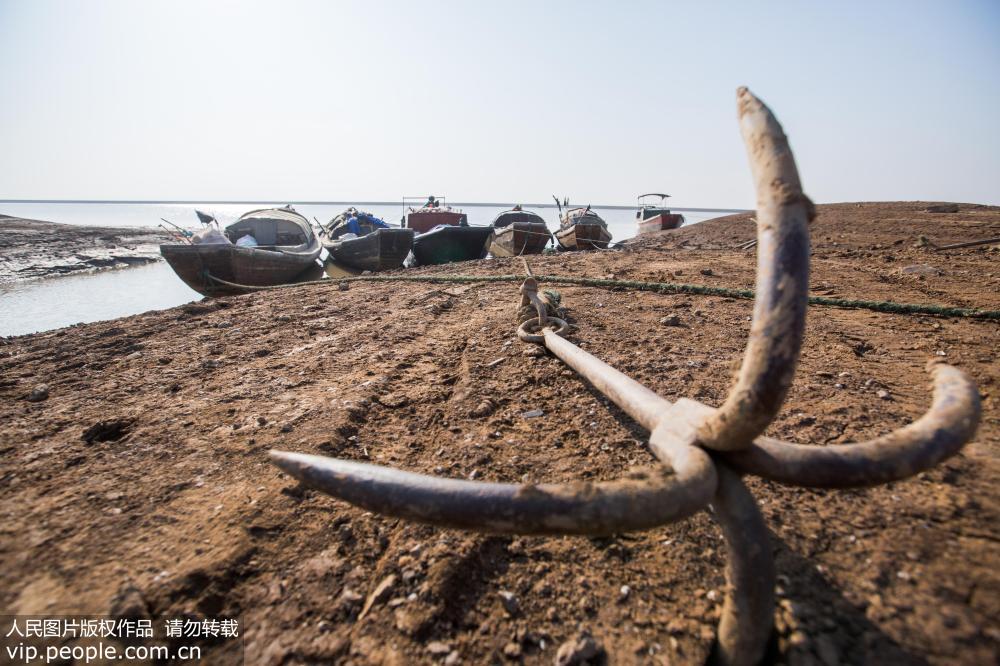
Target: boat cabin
[
  {"x": 272, "y": 227},
  {"x": 509, "y": 217},
  {"x": 432, "y": 213},
  {"x": 649, "y": 208},
  {"x": 653, "y": 215}
]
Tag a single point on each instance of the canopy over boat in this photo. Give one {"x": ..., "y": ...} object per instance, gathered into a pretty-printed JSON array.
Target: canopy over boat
[
  {"x": 574, "y": 216},
  {"x": 660, "y": 196},
  {"x": 509, "y": 217},
  {"x": 273, "y": 227}
]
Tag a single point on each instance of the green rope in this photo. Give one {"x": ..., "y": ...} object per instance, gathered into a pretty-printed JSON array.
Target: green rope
[{"x": 658, "y": 287}]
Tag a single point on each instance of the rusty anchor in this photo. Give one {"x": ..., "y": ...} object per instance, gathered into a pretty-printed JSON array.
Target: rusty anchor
[{"x": 704, "y": 451}]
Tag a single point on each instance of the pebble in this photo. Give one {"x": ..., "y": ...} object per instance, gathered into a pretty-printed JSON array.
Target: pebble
[
  {"x": 39, "y": 393},
  {"x": 512, "y": 650},
  {"x": 379, "y": 594},
  {"x": 532, "y": 413},
  {"x": 883, "y": 394},
  {"x": 706, "y": 271},
  {"x": 509, "y": 602},
  {"x": 672, "y": 320},
  {"x": 484, "y": 408},
  {"x": 577, "y": 651},
  {"x": 624, "y": 592},
  {"x": 438, "y": 648},
  {"x": 343, "y": 286}
]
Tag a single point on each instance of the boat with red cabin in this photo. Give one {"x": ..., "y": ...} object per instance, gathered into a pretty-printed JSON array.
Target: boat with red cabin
[
  {"x": 434, "y": 212},
  {"x": 654, "y": 216}
]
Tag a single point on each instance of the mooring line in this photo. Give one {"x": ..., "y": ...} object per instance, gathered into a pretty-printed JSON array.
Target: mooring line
[{"x": 889, "y": 307}]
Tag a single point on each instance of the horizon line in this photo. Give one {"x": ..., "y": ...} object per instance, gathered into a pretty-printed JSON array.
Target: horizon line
[{"x": 338, "y": 203}]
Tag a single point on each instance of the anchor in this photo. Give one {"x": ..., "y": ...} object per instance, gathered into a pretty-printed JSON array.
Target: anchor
[{"x": 703, "y": 452}]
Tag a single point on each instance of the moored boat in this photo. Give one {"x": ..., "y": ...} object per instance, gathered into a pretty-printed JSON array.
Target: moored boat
[
  {"x": 361, "y": 240},
  {"x": 263, "y": 248},
  {"x": 517, "y": 232},
  {"x": 581, "y": 228},
  {"x": 435, "y": 212},
  {"x": 448, "y": 243},
  {"x": 655, "y": 217}
]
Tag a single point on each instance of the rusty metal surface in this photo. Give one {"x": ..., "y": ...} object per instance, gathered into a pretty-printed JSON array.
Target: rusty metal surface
[
  {"x": 703, "y": 450},
  {"x": 748, "y": 610},
  {"x": 779, "y": 315},
  {"x": 939, "y": 434},
  {"x": 645, "y": 499}
]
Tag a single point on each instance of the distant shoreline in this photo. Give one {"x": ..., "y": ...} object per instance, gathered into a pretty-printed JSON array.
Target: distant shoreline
[{"x": 265, "y": 202}]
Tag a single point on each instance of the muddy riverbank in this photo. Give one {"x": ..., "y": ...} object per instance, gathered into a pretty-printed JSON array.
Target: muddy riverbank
[
  {"x": 32, "y": 249},
  {"x": 142, "y": 478}
]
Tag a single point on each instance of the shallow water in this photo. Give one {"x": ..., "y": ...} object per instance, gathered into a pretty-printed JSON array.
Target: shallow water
[{"x": 43, "y": 305}]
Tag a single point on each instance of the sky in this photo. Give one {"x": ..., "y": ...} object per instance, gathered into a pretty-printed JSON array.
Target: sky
[{"x": 493, "y": 101}]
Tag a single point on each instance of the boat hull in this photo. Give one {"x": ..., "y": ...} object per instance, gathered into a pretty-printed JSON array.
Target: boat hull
[
  {"x": 520, "y": 238},
  {"x": 661, "y": 222},
  {"x": 581, "y": 236},
  {"x": 381, "y": 250},
  {"x": 249, "y": 266},
  {"x": 448, "y": 244}
]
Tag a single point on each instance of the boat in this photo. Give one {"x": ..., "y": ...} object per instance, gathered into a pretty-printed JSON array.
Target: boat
[
  {"x": 263, "y": 248},
  {"x": 581, "y": 228},
  {"x": 360, "y": 240},
  {"x": 433, "y": 213},
  {"x": 517, "y": 232},
  {"x": 447, "y": 243},
  {"x": 655, "y": 216}
]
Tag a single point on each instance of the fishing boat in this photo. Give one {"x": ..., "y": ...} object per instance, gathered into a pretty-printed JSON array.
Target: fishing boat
[
  {"x": 581, "y": 228},
  {"x": 361, "y": 240},
  {"x": 447, "y": 243},
  {"x": 654, "y": 216},
  {"x": 434, "y": 212},
  {"x": 263, "y": 248},
  {"x": 517, "y": 232}
]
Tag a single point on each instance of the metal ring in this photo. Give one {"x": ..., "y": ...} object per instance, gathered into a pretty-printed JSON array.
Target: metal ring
[{"x": 524, "y": 331}]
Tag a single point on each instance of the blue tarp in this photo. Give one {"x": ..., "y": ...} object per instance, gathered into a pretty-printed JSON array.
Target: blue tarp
[{"x": 353, "y": 223}]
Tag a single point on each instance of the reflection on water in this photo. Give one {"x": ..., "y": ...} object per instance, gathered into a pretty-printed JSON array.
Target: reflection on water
[{"x": 42, "y": 305}]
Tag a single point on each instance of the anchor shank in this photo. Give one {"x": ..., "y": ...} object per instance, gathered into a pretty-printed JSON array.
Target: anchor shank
[{"x": 647, "y": 408}]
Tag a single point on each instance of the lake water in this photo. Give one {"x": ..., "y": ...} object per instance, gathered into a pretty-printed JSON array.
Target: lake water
[{"x": 47, "y": 304}]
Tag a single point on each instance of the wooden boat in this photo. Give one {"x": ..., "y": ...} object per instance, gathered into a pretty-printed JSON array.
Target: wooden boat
[
  {"x": 433, "y": 213},
  {"x": 448, "y": 243},
  {"x": 655, "y": 217},
  {"x": 581, "y": 229},
  {"x": 285, "y": 248},
  {"x": 517, "y": 232},
  {"x": 377, "y": 248}
]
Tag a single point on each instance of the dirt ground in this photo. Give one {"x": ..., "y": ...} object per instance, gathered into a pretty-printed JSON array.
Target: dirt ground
[
  {"x": 31, "y": 249},
  {"x": 142, "y": 482}
]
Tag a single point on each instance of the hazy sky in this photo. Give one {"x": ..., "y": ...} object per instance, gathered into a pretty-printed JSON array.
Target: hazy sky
[{"x": 500, "y": 101}]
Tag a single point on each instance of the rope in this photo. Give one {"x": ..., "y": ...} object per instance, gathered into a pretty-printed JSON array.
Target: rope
[{"x": 638, "y": 285}]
